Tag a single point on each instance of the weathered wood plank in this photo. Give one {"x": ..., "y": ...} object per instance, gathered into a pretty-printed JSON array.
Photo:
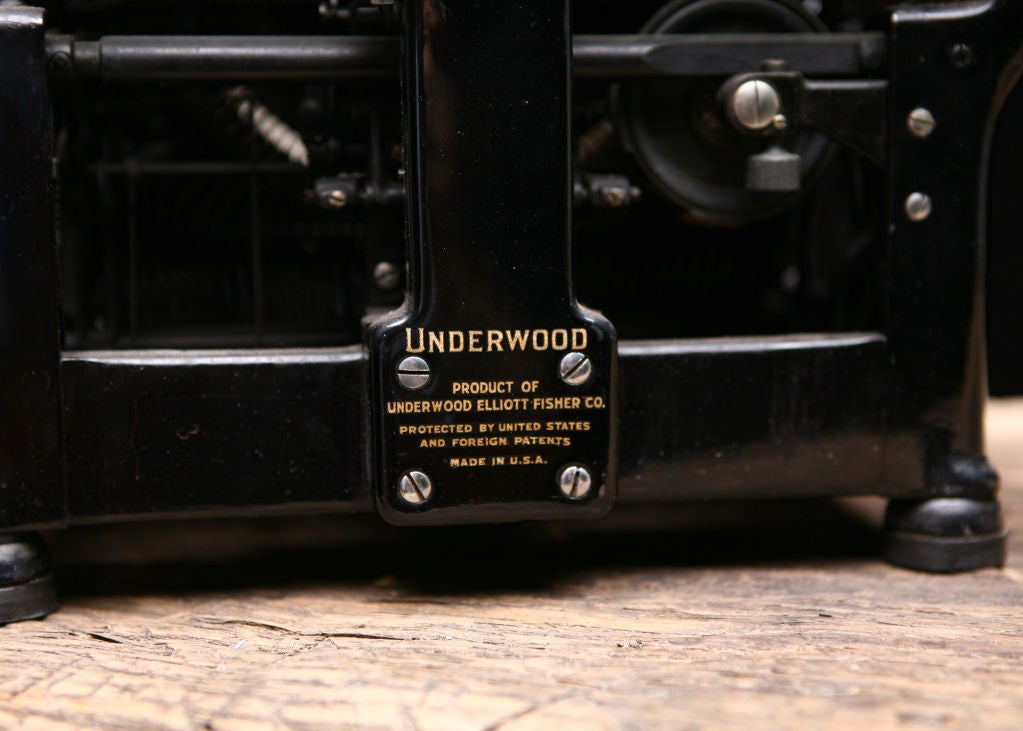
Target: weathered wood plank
[{"x": 783, "y": 620}]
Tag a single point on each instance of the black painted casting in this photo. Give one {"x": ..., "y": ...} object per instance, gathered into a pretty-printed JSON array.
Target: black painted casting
[{"x": 88, "y": 435}]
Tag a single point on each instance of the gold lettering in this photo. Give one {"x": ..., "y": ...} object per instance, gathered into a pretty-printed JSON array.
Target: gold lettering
[
  {"x": 423, "y": 429},
  {"x": 421, "y": 340},
  {"x": 568, "y": 426},
  {"x": 517, "y": 339},
  {"x": 408, "y": 341},
  {"x": 557, "y": 403},
  {"x": 481, "y": 387},
  {"x": 479, "y": 442}
]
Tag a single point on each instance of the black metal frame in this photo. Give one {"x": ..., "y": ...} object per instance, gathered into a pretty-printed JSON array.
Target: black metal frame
[{"x": 96, "y": 436}]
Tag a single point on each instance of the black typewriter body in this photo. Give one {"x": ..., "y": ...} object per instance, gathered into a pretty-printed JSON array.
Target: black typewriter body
[{"x": 262, "y": 258}]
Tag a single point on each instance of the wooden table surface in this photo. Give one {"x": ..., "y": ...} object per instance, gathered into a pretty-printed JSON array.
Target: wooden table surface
[{"x": 773, "y": 616}]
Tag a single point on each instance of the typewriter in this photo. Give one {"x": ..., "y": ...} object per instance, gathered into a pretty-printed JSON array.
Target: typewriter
[{"x": 478, "y": 261}]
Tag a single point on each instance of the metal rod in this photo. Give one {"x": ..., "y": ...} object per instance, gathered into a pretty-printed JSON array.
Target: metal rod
[
  {"x": 205, "y": 168},
  {"x": 375, "y": 58},
  {"x": 651, "y": 56}
]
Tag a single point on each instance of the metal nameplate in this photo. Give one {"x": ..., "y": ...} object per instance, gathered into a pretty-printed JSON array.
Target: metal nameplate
[{"x": 486, "y": 424}]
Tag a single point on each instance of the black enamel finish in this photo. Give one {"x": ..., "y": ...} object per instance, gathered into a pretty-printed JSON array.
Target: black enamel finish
[
  {"x": 936, "y": 270},
  {"x": 487, "y": 139},
  {"x": 817, "y": 429},
  {"x": 260, "y": 433},
  {"x": 31, "y": 484},
  {"x": 241, "y": 432}
]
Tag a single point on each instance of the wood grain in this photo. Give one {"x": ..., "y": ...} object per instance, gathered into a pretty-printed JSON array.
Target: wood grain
[{"x": 753, "y": 617}]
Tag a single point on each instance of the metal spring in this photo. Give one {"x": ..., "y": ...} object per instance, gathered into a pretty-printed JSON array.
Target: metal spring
[
  {"x": 594, "y": 141},
  {"x": 270, "y": 127}
]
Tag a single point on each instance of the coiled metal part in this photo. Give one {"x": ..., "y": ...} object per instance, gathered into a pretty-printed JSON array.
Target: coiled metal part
[{"x": 269, "y": 126}]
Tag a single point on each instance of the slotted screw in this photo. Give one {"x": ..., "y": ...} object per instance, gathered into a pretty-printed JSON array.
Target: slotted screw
[
  {"x": 415, "y": 487},
  {"x": 918, "y": 206},
  {"x": 921, "y": 123},
  {"x": 575, "y": 481},
  {"x": 337, "y": 199},
  {"x": 756, "y": 104},
  {"x": 575, "y": 369},
  {"x": 413, "y": 373},
  {"x": 386, "y": 276}
]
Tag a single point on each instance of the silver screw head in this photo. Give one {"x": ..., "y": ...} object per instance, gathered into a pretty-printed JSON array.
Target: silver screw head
[
  {"x": 615, "y": 197},
  {"x": 575, "y": 481},
  {"x": 575, "y": 369},
  {"x": 337, "y": 199},
  {"x": 918, "y": 206},
  {"x": 756, "y": 104},
  {"x": 413, "y": 373},
  {"x": 415, "y": 487},
  {"x": 386, "y": 275},
  {"x": 921, "y": 123}
]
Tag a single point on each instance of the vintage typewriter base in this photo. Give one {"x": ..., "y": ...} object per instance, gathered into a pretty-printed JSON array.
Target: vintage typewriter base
[{"x": 888, "y": 405}]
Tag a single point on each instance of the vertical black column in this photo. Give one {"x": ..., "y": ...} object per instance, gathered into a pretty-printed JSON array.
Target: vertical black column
[
  {"x": 489, "y": 153},
  {"x": 955, "y": 63},
  {"x": 952, "y": 62},
  {"x": 31, "y": 478},
  {"x": 490, "y": 424}
]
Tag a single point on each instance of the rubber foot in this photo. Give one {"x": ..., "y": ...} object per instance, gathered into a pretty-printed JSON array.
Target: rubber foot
[
  {"x": 945, "y": 535},
  {"x": 31, "y": 600},
  {"x": 27, "y": 588}
]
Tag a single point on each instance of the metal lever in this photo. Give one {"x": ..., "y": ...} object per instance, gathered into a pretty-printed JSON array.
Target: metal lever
[{"x": 773, "y": 104}]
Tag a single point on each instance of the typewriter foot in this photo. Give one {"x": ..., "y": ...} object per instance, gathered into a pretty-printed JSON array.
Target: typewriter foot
[
  {"x": 27, "y": 589},
  {"x": 945, "y": 535}
]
